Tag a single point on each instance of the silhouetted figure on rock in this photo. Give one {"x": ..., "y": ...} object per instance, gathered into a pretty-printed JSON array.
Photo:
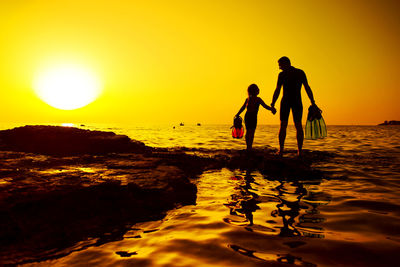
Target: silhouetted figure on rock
[
  {"x": 291, "y": 79},
  {"x": 252, "y": 103}
]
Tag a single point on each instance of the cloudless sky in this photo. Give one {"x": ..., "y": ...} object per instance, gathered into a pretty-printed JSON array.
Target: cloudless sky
[{"x": 192, "y": 61}]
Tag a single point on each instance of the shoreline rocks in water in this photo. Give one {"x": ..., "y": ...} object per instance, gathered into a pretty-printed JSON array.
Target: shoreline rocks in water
[
  {"x": 389, "y": 123},
  {"x": 61, "y": 185}
]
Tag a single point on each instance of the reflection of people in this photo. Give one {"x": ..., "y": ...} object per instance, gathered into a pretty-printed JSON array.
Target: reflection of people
[
  {"x": 245, "y": 201},
  {"x": 291, "y": 79},
  {"x": 249, "y": 205},
  {"x": 252, "y": 103},
  {"x": 289, "y": 210}
]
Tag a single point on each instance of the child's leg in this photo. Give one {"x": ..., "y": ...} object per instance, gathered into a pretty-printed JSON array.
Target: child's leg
[{"x": 249, "y": 138}]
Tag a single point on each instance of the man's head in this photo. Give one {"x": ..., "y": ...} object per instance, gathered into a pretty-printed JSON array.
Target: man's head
[{"x": 284, "y": 63}]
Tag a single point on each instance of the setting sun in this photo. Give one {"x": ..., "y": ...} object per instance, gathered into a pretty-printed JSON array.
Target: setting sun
[{"x": 67, "y": 87}]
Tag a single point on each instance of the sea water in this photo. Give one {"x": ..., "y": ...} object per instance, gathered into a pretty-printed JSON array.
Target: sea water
[{"x": 247, "y": 219}]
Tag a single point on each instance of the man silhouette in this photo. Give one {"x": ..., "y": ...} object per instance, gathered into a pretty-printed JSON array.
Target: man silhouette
[{"x": 291, "y": 79}]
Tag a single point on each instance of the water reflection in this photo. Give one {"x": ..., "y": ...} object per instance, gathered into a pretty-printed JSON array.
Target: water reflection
[
  {"x": 245, "y": 252},
  {"x": 290, "y": 259},
  {"x": 298, "y": 208},
  {"x": 243, "y": 202},
  {"x": 309, "y": 222},
  {"x": 289, "y": 207},
  {"x": 297, "y": 205}
]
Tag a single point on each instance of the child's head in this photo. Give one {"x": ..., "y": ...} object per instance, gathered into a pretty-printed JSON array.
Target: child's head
[{"x": 253, "y": 90}]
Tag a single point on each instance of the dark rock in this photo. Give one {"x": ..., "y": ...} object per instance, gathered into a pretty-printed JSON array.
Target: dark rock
[
  {"x": 390, "y": 123},
  {"x": 275, "y": 167},
  {"x": 62, "y": 141},
  {"x": 53, "y": 208}
]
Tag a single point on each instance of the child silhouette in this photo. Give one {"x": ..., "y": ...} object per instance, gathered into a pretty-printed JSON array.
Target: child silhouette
[{"x": 252, "y": 103}]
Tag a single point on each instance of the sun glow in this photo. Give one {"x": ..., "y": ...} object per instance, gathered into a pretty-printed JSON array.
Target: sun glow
[{"x": 67, "y": 87}]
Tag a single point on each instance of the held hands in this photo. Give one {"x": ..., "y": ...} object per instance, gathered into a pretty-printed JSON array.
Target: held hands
[{"x": 273, "y": 110}]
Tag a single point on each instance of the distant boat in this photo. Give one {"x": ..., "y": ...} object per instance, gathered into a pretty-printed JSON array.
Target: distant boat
[
  {"x": 181, "y": 124},
  {"x": 198, "y": 124}
]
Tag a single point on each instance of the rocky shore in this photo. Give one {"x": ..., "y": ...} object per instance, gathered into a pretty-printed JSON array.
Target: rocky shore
[
  {"x": 60, "y": 186},
  {"x": 389, "y": 123}
]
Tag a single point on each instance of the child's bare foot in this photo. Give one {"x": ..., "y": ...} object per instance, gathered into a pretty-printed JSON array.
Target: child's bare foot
[{"x": 280, "y": 153}]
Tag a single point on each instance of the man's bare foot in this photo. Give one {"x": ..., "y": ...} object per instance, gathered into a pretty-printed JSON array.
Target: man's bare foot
[
  {"x": 249, "y": 152},
  {"x": 299, "y": 153},
  {"x": 280, "y": 153}
]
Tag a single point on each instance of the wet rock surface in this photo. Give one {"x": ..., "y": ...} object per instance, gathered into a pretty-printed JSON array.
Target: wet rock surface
[
  {"x": 51, "y": 203},
  {"x": 54, "y": 195}
]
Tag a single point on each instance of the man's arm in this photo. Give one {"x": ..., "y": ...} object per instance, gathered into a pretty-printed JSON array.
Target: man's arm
[
  {"x": 277, "y": 90},
  {"x": 308, "y": 90}
]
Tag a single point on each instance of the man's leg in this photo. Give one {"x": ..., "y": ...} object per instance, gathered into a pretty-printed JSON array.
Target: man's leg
[
  {"x": 282, "y": 136},
  {"x": 297, "y": 116},
  {"x": 284, "y": 116},
  {"x": 300, "y": 137}
]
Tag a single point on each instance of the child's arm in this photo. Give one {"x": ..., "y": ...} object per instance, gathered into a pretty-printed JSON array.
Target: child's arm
[
  {"x": 273, "y": 110},
  {"x": 263, "y": 104},
  {"x": 242, "y": 108}
]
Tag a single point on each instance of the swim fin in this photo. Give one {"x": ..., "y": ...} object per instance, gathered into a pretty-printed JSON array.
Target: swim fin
[
  {"x": 315, "y": 125},
  {"x": 237, "y": 128}
]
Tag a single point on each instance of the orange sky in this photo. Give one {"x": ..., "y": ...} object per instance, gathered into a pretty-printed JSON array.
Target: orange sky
[{"x": 172, "y": 61}]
